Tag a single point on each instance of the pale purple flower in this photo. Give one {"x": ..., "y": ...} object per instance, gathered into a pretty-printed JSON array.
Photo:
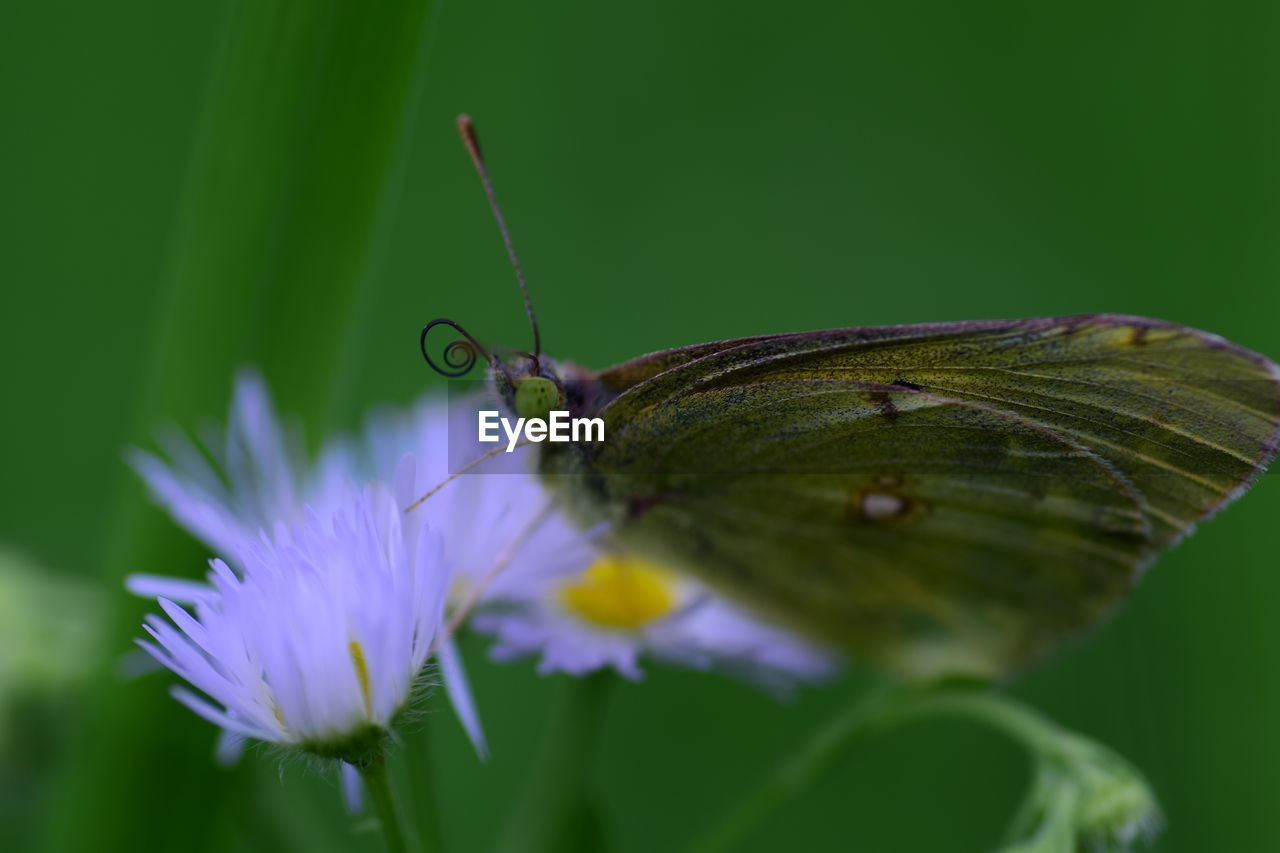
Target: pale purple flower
[
  {"x": 498, "y": 517},
  {"x": 253, "y": 477},
  {"x": 246, "y": 477},
  {"x": 253, "y": 474},
  {"x": 319, "y": 641},
  {"x": 583, "y": 609}
]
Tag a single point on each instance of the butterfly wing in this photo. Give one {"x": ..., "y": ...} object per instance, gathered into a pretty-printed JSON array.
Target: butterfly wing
[{"x": 943, "y": 498}]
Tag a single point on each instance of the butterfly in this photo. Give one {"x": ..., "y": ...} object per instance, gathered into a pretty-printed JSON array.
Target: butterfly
[{"x": 942, "y": 499}]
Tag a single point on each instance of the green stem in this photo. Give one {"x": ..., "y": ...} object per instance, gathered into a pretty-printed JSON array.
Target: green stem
[
  {"x": 1039, "y": 734},
  {"x": 554, "y": 813},
  {"x": 793, "y": 775},
  {"x": 1055, "y": 750},
  {"x": 423, "y": 783},
  {"x": 379, "y": 785}
]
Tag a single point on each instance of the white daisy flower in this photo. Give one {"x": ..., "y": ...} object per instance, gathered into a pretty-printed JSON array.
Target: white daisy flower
[
  {"x": 253, "y": 476},
  {"x": 498, "y": 514},
  {"x": 317, "y": 644},
  {"x": 584, "y": 609},
  {"x": 246, "y": 477}
]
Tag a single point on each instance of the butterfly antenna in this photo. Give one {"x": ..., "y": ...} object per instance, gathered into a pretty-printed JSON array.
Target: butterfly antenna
[
  {"x": 485, "y": 457},
  {"x": 467, "y": 131},
  {"x": 459, "y": 356}
]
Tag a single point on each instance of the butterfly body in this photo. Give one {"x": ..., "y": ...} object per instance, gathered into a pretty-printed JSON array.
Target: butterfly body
[{"x": 937, "y": 499}]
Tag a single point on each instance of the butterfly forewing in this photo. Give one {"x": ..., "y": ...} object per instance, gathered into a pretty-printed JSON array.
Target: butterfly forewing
[{"x": 938, "y": 499}]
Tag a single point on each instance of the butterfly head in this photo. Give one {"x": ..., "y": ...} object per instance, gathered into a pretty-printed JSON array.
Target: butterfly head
[{"x": 530, "y": 387}]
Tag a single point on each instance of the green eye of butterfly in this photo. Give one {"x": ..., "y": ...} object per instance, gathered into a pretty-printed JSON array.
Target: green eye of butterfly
[{"x": 535, "y": 397}]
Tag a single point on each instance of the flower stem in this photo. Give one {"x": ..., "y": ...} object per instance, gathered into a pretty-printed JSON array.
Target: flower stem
[
  {"x": 422, "y": 783},
  {"x": 379, "y": 784},
  {"x": 555, "y": 814},
  {"x": 1051, "y": 745},
  {"x": 1039, "y": 734},
  {"x": 793, "y": 775}
]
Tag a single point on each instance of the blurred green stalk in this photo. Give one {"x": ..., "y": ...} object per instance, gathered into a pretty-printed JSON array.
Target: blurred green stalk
[
  {"x": 423, "y": 803},
  {"x": 1082, "y": 790},
  {"x": 390, "y": 819},
  {"x": 555, "y": 813},
  {"x": 286, "y": 192},
  {"x": 794, "y": 775}
]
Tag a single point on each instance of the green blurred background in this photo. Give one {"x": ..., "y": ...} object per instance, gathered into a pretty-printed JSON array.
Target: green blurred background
[{"x": 192, "y": 186}]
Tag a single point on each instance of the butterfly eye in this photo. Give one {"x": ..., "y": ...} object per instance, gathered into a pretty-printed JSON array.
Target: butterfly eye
[{"x": 536, "y": 396}]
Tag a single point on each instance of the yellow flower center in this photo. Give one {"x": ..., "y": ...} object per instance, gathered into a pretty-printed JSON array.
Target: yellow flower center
[{"x": 620, "y": 592}]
